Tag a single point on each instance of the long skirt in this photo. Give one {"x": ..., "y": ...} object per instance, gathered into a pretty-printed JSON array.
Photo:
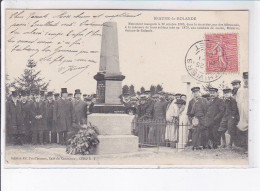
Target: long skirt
[{"x": 172, "y": 131}]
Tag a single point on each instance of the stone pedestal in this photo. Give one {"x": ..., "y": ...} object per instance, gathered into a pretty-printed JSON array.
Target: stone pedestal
[{"x": 114, "y": 133}]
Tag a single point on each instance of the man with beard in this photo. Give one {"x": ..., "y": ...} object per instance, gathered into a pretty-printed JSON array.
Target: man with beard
[
  {"x": 52, "y": 134},
  {"x": 196, "y": 112},
  {"x": 79, "y": 109},
  {"x": 230, "y": 118},
  {"x": 63, "y": 116},
  {"x": 14, "y": 120},
  {"x": 236, "y": 86},
  {"x": 215, "y": 112},
  {"x": 26, "y": 111},
  {"x": 39, "y": 126}
]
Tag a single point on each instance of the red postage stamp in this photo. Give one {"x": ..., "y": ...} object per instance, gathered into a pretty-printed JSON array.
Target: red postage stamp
[{"x": 221, "y": 53}]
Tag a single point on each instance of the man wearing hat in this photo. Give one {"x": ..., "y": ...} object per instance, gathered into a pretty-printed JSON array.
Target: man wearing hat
[
  {"x": 215, "y": 112},
  {"x": 230, "y": 118},
  {"x": 39, "y": 125},
  {"x": 14, "y": 120},
  {"x": 56, "y": 96},
  {"x": 70, "y": 96},
  {"x": 143, "y": 114},
  {"x": 63, "y": 116},
  {"x": 52, "y": 134},
  {"x": 236, "y": 85},
  {"x": 42, "y": 95},
  {"x": 196, "y": 112},
  {"x": 26, "y": 111},
  {"x": 79, "y": 109},
  {"x": 157, "y": 131},
  {"x": 243, "y": 108}
]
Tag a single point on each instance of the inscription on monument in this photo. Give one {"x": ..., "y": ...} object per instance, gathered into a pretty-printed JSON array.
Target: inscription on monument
[{"x": 101, "y": 88}]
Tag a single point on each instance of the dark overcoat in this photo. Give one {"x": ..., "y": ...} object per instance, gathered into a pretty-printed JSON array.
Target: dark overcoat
[
  {"x": 159, "y": 110},
  {"x": 14, "y": 118},
  {"x": 145, "y": 111},
  {"x": 79, "y": 112},
  {"x": 63, "y": 115},
  {"x": 27, "y": 117},
  {"x": 39, "y": 108},
  {"x": 215, "y": 112},
  {"x": 49, "y": 114}
]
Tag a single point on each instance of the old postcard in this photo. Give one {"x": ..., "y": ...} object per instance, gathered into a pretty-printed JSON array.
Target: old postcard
[{"x": 126, "y": 87}]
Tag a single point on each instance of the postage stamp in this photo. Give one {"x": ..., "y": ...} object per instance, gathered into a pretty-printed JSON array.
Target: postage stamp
[
  {"x": 221, "y": 53},
  {"x": 195, "y": 63}
]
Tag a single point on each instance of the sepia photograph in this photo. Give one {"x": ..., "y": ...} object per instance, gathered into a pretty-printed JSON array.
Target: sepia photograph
[{"x": 126, "y": 87}]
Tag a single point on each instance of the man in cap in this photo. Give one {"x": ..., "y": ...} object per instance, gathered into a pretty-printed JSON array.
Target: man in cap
[
  {"x": 79, "y": 109},
  {"x": 39, "y": 126},
  {"x": 236, "y": 86},
  {"x": 14, "y": 120},
  {"x": 63, "y": 116},
  {"x": 143, "y": 114},
  {"x": 230, "y": 118},
  {"x": 26, "y": 107},
  {"x": 215, "y": 112},
  {"x": 243, "y": 108},
  {"x": 157, "y": 130},
  {"x": 196, "y": 112},
  {"x": 52, "y": 134}
]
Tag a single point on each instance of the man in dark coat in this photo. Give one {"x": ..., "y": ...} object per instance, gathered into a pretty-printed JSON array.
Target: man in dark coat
[
  {"x": 231, "y": 116},
  {"x": 63, "y": 116},
  {"x": 157, "y": 131},
  {"x": 39, "y": 126},
  {"x": 14, "y": 120},
  {"x": 27, "y": 118},
  {"x": 79, "y": 109},
  {"x": 144, "y": 115},
  {"x": 196, "y": 112},
  {"x": 215, "y": 112},
  {"x": 52, "y": 134}
]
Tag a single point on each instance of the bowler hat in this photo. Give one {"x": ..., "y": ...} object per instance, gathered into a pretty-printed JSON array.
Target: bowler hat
[
  {"x": 235, "y": 82},
  {"x": 195, "y": 89},
  {"x": 77, "y": 91},
  {"x": 64, "y": 90}
]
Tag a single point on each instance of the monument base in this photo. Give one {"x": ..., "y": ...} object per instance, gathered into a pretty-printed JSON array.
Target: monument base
[
  {"x": 114, "y": 144},
  {"x": 114, "y": 133},
  {"x": 109, "y": 109}
]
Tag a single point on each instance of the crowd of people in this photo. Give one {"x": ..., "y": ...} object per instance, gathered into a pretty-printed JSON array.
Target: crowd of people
[
  {"x": 207, "y": 117},
  {"x": 36, "y": 117}
]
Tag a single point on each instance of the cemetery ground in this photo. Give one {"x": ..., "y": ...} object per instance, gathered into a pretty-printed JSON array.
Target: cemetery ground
[{"x": 52, "y": 154}]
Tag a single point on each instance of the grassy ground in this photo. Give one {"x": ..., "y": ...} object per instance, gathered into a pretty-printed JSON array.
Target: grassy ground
[{"x": 54, "y": 154}]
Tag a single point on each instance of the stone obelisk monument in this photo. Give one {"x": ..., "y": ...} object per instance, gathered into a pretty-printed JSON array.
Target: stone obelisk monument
[
  {"x": 109, "y": 78},
  {"x": 108, "y": 115}
]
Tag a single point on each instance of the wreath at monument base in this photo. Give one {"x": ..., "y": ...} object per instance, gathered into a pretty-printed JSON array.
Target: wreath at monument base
[{"x": 83, "y": 142}]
